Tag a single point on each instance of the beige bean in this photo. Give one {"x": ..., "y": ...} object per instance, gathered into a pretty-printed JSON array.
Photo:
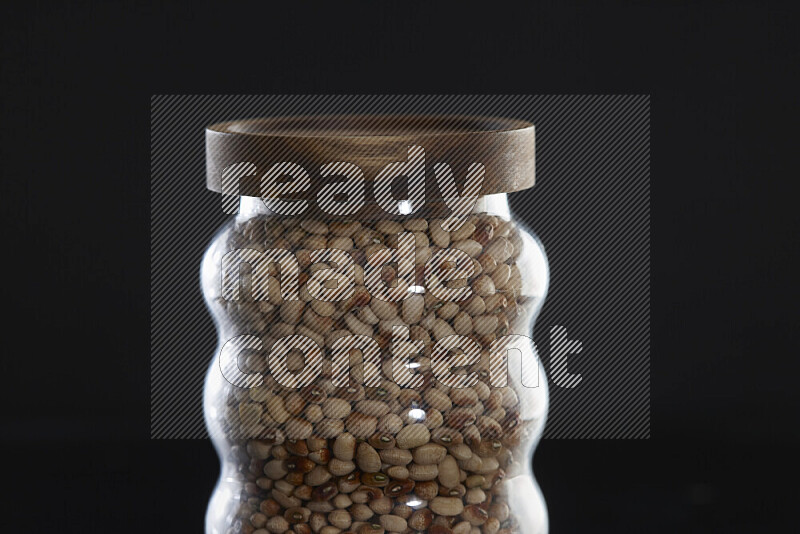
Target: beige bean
[
  {"x": 342, "y": 500},
  {"x": 367, "y": 458},
  {"x": 275, "y": 469},
  {"x": 422, "y": 472},
  {"x": 318, "y": 476},
  {"x": 340, "y": 468},
  {"x": 449, "y": 472},
  {"x": 292, "y": 310},
  {"x": 469, "y": 247},
  {"x": 475, "y": 305},
  {"x": 462, "y": 324},
  {"x": 361, "y": 512},
  {"x": 460, "y": 451},
  {"x": 448, "y": 310},
  {"x": 393, "y": 523},
  {"x": 500, "y": 249},
  {"x": 314, "y": 242},
  {"x": 430, "y": 453},
  {"x": 413, "y": 308},
  {"x": 442, "y": 329},
  {"x": 413, "y": 436},
  {"x": 340, "y": 519},
  {"x": 356, "y": 326},
  {"x": 447, "y": 506},
  {"x": 277, "y": 525},
  {"x": 297, "y": 428},
  {"x": 390, "y": 424},
  {"x": 360, "y": 425},
  {"x": 344, "y": 229},
  {"x": 416, "y": 225},
  {"x": 483, "y": 286},
  {"x": 329, "y": 428},
  {"x": 335, "y": 408},
  {"x": 367, "y": 316},
  {"x": 397, "y": 472},
  {"x": 464, "y": 396},
  {"x": 485, "y": 324},
  {"x": 325, "y": 309},
  {"x": 463, "y": 232},
  {"x": 438, "y": 235},
  {"x": 314, "y": 227},
  {"x": 501, "y": 275},
  {"x": 383, "y": 310},
  {"x": 437, "y": 399},
  {"x": 374, "y": 408},
  {"x": 388, "y": 227},
  {"x": 341, "y": 243},
  {"x": 474, "y": 496},
  {"x": 276, "y": 409},
  {"x": 396, "y": 456}
]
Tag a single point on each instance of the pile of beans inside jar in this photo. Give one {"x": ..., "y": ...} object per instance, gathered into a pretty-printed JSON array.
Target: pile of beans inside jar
[{"x": 328, "y": 460}]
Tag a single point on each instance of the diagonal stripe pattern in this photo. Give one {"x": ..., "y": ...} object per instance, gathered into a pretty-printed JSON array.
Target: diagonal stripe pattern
[{"x": 590, "y": 207}]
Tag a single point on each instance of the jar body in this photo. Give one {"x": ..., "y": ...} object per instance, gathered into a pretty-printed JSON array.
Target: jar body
[{"x": 383, "y": 444}]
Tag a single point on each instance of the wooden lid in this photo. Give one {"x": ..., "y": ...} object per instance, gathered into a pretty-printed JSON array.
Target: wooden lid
[{"x": 504, "y": 146}]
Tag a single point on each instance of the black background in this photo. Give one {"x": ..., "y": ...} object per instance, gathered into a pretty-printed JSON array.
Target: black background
[{"x": 76, "y": 84}]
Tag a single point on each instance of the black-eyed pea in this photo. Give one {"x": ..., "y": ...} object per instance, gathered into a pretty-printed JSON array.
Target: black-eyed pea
[
  {"x": 367, "y": 458},
  {"x": 381, "y": 505},
  {"x": 429, "y": 454},
  {"x": 463, "y": 232},
  {"x": 344, "y": 228},
  {"x": 393, "y": 523},
  {"x": 420, "y": 520},
  {"x": 476, "y": 514},
  {"x": 329, "y": 428},
  {"x": 340, "y": 468},
  {"x": 489, "y": 465},
  {"x": 440, "y": 237},
  {"x": 434, "y": 419},
  {"x": 413, "y": 308},
  {"x": 437, "y": 399},
  {"x": 426, "y": 490},
  {"x": 462, "y": 324},
  {"x": 340, "y": 518},
  {"x": 396, "y": 456},
  {"x": 277, "y": 525},
  {"x": 475, "y": 305},
  {"x": 448, "y": 310},
  {"x": 474, "y": 496},
  {"x": 390, "y": 424},
  {"x": 317, "y": 521},
  {"x": 318, "y": 476},
  {"x": 367, "y": 316},
  {"x": 448, "y": 472},
  {"x": 258, "y": 519},
  {"x": 361, "y": 512},
  {"x": 492, "y": 526},
  {"x": 383, "y": 310},
  {"x": 469, "y": 246},
  {"x": 447, "y": 506},
  {"x": 485, "y": 324},
  {"x": 397, "y": 472},
  {"x": 361, "y": 426},
  {"x": 499, "y": 510}
]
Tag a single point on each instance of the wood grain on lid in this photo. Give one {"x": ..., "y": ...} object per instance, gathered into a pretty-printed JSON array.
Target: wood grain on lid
[{"x": 506, "y": 147}]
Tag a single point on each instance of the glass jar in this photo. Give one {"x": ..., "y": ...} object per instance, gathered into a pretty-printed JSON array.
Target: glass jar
[{"x": 372, "y": 392}]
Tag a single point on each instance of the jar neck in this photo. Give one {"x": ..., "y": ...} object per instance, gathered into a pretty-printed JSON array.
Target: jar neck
[{"x": 494, "y": 204}]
